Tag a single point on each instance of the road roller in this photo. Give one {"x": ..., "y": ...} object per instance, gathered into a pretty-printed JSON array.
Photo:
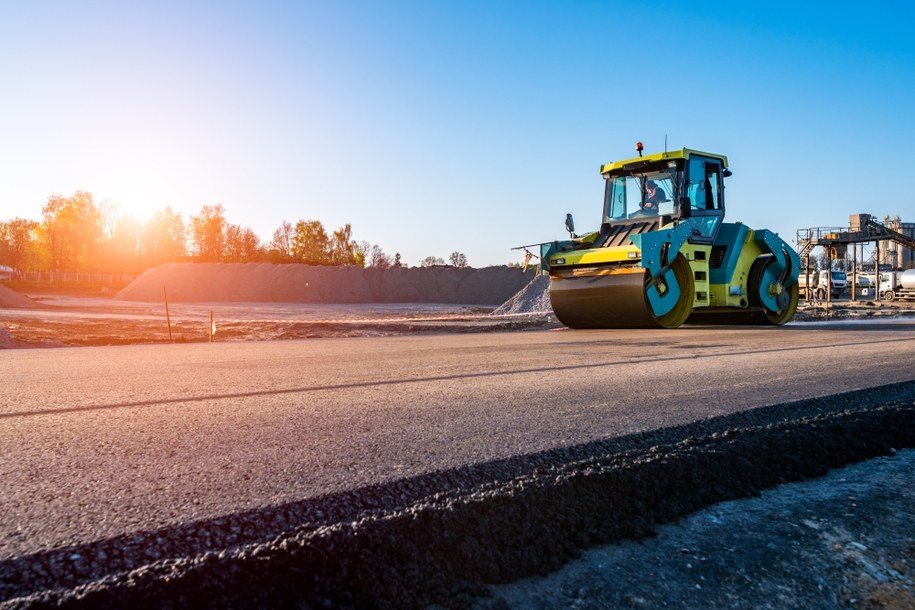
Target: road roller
[{"x": 663, "y": 255}]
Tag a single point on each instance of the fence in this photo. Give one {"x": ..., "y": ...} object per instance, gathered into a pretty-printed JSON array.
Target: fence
[{"x": 57, "y": 278}]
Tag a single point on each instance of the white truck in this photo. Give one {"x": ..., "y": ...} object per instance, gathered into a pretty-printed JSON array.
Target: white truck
[
  {"x": 835, "y": 282},
  {"x": 897, "y": 285}
]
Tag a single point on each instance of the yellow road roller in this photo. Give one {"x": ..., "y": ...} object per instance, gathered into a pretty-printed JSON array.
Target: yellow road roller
[{"x": 664, "y": 256}]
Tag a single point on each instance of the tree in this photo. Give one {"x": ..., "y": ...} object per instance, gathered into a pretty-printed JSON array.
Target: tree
[
  {"x": 77, "y": 235},
  {"x": 122, "y": 246},
  {"x": 280, "y": 247},
  {"x": 208, "y": 230},
  {"x": 429, "y": 261},
  {"x": 343, "y": 250},
  {"x": 458, "y": 259},
  {"x": 110, "y": 214},
  {"x": 242, "y": 245},
  {"x": 118, "y": 240},
  {"x": 19, "y": 243},
  {"x": 233, "y": 246},
  {"x": 164, "y": 238},
  {"x": 251, "y": 246},
  {"x": 73, "y": 229},
  {"x": 379, "y": 258},
  {"x": 309, "y": 243},
  {"x": 374, "y": 256}
]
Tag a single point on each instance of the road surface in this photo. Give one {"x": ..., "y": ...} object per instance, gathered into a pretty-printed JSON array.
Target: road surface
[{"x": 102, "y": 442}]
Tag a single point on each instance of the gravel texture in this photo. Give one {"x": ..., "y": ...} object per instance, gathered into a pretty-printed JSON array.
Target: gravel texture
[
  {"x": 533, "y": 298},
  {"x": 846, "y": 540},
  {"x": 11, "y": 298},
  {"x": 443, "y": 538}
]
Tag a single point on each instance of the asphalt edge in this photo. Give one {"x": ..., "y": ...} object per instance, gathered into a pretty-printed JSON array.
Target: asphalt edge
[{"x": 444, "y": 548}]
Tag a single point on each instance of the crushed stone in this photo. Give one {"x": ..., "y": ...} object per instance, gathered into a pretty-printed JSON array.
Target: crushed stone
[{"x": 533, "y": 298}]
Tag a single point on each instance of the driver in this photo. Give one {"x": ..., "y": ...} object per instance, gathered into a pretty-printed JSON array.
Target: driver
[{"x": 655, "y": 196}]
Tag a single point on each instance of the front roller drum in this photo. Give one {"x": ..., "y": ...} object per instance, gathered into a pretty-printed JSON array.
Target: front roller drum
[{"x": 617, "y": 299}]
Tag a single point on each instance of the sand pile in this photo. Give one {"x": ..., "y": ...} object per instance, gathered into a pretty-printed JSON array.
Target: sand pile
[
  {"x": 533, "y": 298},
  {"x": 11, "y": 299},
  {"x": 266, "y": 282}
]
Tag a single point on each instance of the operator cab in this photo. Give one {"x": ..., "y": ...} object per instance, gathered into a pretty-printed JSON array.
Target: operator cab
[{"x": 661, "y": 188}]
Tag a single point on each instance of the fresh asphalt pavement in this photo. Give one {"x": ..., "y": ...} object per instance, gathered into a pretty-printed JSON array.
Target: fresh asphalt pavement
[{"x": 100, "y": 442}]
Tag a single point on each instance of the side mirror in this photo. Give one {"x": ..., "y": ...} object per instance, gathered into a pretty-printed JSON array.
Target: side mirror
[
  {"x": 685, "y": 209},
  {"x": 570, "y": 225}
]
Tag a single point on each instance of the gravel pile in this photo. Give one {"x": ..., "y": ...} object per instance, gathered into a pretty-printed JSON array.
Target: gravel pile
[
  {"x": 265, "y": 282},
  {"x": 13, "y": 300},
  {"x": 442, "y": 538},
  {"x": 533, "y": 298}
]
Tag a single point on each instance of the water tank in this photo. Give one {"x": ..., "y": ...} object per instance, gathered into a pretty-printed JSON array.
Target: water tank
[{"x": 908, "y": 279}]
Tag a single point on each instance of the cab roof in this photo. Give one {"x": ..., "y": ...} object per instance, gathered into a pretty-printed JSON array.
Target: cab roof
[{"x": 683, "y": 153}]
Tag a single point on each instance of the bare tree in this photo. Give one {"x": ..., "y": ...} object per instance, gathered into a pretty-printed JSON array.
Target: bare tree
[
  {"x": 458, "y": 259},
  {"x": 374, "y": 256},
  {"x": 280, "y": 246},
  {"x": 379, "y": 258},
  {"x": 430, "y": 261}
]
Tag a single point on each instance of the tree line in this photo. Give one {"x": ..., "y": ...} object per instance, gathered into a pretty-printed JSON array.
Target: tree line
[{"x": 75, "y": 234}]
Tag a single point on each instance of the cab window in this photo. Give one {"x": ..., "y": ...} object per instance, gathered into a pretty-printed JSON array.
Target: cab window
[
  {"x": 639, "y": 195},
  {"x": 705, "y": 200},
  {"x": 704, "y": 181}
]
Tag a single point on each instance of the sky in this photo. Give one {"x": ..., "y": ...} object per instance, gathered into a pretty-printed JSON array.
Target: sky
[{"x": 433, "y": 127}]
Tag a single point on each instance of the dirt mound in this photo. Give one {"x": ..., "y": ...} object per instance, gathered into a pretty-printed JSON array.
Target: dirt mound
[
  {"x": 533, "y": 298},
  {"x": 260, "y": 282},
  {"x": 13, "y": 300}
]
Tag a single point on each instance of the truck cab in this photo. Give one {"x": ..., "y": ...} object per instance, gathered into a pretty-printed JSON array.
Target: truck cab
[
  {"x": 833, "y": 281},
  {"x": 897, "y": 285}
]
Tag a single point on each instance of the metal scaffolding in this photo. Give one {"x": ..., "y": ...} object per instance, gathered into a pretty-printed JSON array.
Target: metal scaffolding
[{"x": 862, "y": 228}]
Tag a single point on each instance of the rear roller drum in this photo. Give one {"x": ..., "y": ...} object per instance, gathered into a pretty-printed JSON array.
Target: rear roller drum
[{"x": 787, "y": 299}]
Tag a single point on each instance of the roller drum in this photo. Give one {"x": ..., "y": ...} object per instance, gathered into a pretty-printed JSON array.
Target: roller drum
[{"x": 617, "y": 299}]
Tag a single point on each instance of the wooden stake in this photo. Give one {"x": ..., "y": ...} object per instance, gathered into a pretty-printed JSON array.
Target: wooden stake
[{"x": 168, "y": 319}]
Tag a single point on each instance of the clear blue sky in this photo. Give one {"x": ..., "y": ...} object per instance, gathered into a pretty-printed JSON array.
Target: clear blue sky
[{"x": 436, "y": 126}]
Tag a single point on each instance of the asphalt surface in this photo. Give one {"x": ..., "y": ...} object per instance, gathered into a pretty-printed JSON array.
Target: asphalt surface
[{"x": 100, "y": 443}]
